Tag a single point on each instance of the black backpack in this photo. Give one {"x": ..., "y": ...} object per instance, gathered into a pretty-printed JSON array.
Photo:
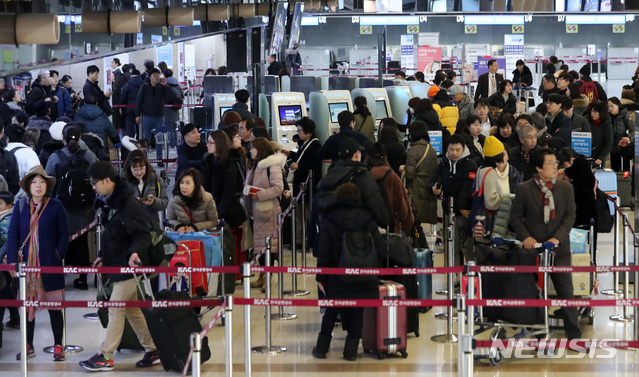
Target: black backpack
[
  {"x": 358, "y": 251},
  {"x": 73, "y": 187}
]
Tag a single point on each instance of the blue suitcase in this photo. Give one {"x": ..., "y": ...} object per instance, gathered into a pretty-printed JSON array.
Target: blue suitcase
[{"x": 424, "y": 259}]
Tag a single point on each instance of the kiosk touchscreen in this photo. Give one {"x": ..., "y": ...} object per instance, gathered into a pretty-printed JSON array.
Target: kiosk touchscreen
[
  {"x": 221, "y": 103},
  {"x": 325, "y": 106},
  {"x": 286, "y": 109}
]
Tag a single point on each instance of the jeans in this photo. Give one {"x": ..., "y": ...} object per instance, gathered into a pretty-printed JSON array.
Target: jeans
[
  {"x": 150, "y": 123},
  {"x": 125, "y": 291}
]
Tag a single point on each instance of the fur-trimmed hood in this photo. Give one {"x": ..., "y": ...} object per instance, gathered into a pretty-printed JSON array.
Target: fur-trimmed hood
[
  {"x": 277, "y": 159},
  {"x": 581, "y": 102}
]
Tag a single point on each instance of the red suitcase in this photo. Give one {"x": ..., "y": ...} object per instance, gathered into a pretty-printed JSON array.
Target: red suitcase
[
  {"x": 384, "y": 330},
  {"x": 191, "y": 254}
]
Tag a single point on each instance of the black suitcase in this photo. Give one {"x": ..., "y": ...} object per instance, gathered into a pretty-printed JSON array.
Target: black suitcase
[
  {"x": 624, "y": 189},
  {"x": 171, "y": 330}
]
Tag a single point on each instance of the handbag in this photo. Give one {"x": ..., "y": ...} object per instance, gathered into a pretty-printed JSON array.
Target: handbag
[
  {"x": 480, "y": 220},
  {"x": 400, "y": 250},
  {"x": 247, "y": 235},
  {"x": 291, "y": 173}
]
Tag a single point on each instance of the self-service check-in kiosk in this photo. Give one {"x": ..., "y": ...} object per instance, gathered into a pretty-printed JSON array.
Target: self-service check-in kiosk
[
  {"x": 325, "y": 105},
  {"x": 377, "y": 100},
  {"x": 221, "y": 103},
  {"x": 286, "y": 109},
  {"x": 398, "y": 97}
]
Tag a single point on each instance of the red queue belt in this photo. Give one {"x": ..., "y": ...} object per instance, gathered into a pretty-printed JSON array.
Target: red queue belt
[
  {"x": 111, "y": 304},
  {"x": 325, "y": 270},
  {"x": 151, "y": 160}
]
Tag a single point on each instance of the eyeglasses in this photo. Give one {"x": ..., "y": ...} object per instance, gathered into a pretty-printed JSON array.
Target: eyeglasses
[
  {"x": 94, "y": 183},
  {"x": 138, "y": 169},
  {"x": 551, "y": 162}
]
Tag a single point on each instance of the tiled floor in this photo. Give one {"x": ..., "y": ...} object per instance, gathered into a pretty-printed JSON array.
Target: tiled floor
[{"x": 424, "y": 356}]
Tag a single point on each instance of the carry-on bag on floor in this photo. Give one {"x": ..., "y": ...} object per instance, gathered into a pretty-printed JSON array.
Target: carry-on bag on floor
[
  {"x": 424, "y": 259},
  {"x": 171, "y": 330},
  {"x": 384, "y": 329},
  {"x": 624, "y": 188},
  {"x": 411, "y": 288},
  {"x": 189, "y": 254}
]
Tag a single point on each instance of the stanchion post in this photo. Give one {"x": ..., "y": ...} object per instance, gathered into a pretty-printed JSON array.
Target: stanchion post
[
  {"x": 615, "y": 256},
  {"x": 98, "y": 244},
  {"x": 625, "y": 316},
  {"x": 268, "y": 348},
  {"x": 467, "y": 341},
  {"x": 196, "y": 343},
  {"x": 311, "y": 187},
  {"x": 294, "y": 291},
  {"x": 460, "y": 302},
  {"x": 448, "y": 337},
  {"x": 228, "y": 333},
  {"x": 280, "y": 315},
  {"x": 303, "y": 219},
  {"x": 22, "y": 278},
  {"x": 636, "y": 308},
  {"x": 246, "y": 279}
]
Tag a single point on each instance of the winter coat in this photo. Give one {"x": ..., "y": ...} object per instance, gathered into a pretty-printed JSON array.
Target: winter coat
[
  {"x": 126, "y": 229},
  {"x": 204, "y": 215},
  {"x": 92, "y": 89},
  {"x": 37, "y": 93},
  {"x": 446, "y": 110},
  {"x": 631, "y": 106},
  {"x": 151, "y": 100},
  {"x": 49, "y": 148},
  {"x": 26, "y": 157},
  {"x": 508, "y": 106},
  {"x": 339, "y": 219},
  {"x": 190, "y": 157},
  {"x": 95, "y": 144},
  {"x": 493, "y": 192},
  {"x": 64, "y": 101},
  {"x": 365, "y": 125},
  {"x": 622, "y": 126},
  {"x": 5, "y": 221},
  {"x": 330, "y": 149},
  {"x": 475, "y": 153},
  {"x": 53, "y": 238},
  {"x": 243, "y": 110},
  {"x": 10, "y": 170},
  {"x": 40, "y": 122},
  {"x": 274, "y": 68},
  {"x": 172, "y": 114},
  {"x": 601, "y": 140},
  {"x": 523, "y": 77},
  {"x": 579, "y": 123},
  {"x": 97, "y": 122},
  {"x": 307, "y": 162},
  {"x": 560, "y": 127},
  {"x": 517, "y": 159},
  {"x": 456, "y": 180},
  {"x": 417, "y": 178},
  {"x": 431, "y": 119},
  {"x": 583, "y": 182},
  {"x": 466, "y": 107},
  {"x": 265, "y": 206},
  {"x": 225, "y": 181},
  {"x": 129, "y": 94},
  {"x": 293, "y": 61},
  {"x": 398, "y": 205},
  {"x": 153, "y": 185},
  {"x": 581, "y": 106}
]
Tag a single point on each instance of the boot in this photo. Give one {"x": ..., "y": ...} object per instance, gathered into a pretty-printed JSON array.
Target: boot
[
  {"x": 321, "y": 348},
  {"x": 350, "y": 349},
  {"x": 259, "y": 282}
]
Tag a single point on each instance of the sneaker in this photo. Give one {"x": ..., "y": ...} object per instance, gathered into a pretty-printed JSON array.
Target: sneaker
[
  {"x": 149, "y": 359},
  {"x": 97, "y": 363},
  {"x": 30, "y": 353},
  {"x": 58, "y": 353}
]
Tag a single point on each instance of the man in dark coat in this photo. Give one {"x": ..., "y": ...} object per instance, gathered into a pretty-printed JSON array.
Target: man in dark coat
[
  {"x": 274, "y": 66},
  {"x": 129, "y": 96},
  {"x": 126, "y": 239},
  {"x": 520, "y": 157},
  {"x": 40, "y": 90},
  {"x": 330, "y": 149},
  {"x": 241, "y": 107},
  {"x": 91, "y": 89},
  {"x": 488, "y": 83},
  {"x": 544, "y": 211}
]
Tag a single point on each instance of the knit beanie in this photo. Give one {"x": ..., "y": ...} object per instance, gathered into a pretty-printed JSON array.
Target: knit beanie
[{"x": 492, "y": 147}]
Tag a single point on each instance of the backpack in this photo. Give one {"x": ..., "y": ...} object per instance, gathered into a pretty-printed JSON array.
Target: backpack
[
  {"x": 590, "y": 90},
  {"x": 161, "y": 250},
  {"x": 604, "y": 221},
  {"x": 73, "y": 186},
  {"x": 358, "y": 251},
  {"x": 179, "y": 96},
  {"x": 326, "y": 198}
]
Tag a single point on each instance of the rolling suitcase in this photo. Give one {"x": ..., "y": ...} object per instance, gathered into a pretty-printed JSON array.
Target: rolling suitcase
[
  {"x": 171, "y": 330},
  {"x": 624, "y": 188},
  {"x": 424, "y": 259},
  {"x": 191, "y": 254},
  {"x": 384, "y": 329}
]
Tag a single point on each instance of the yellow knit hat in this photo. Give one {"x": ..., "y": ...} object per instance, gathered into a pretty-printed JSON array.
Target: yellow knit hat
[{"x": 492, "y": 147}]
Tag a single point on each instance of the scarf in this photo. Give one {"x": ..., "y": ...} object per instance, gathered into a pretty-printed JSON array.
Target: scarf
[
  {"x": 35, "y": 289},
  {"x": 549, "y": 201},
  {"x": 596, "y": 122}
]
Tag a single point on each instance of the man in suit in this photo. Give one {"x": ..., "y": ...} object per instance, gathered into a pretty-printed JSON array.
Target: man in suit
[
  {"x": 488, "y": 83},
  {"x": 544, "y": 210}
]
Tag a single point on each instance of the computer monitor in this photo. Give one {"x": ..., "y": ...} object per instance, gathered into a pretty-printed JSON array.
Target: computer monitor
[
  {"x": 218, "y": 84},
  {"x": 335, "y": 109},
  {"x": 289, "y": 114},
  {"x": 223, "y": 110},
  {"x": 381, "y": 109}
]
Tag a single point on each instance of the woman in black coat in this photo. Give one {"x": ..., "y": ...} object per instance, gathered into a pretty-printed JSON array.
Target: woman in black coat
[
  {"x": 503, "y": 99},
  {"x": 303, "y": 161},
  {"x": 223, "y": 178},
  {"x": 346, "y": 215},
  {"x": 522, "y": 76}
]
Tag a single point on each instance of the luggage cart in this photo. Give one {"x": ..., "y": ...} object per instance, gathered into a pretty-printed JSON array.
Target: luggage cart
[{"x": 499, "y": 327}]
